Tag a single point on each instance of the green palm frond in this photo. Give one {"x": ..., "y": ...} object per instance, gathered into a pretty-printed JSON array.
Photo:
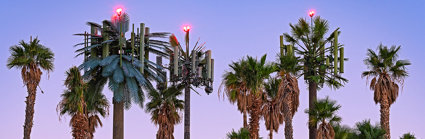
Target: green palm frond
[
  {"x": 24, "y": 54},
  {"x": 324, "y": 110}
]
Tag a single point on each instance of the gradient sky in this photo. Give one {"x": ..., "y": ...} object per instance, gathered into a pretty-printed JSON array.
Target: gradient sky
[{"x": 232, "y": 29}]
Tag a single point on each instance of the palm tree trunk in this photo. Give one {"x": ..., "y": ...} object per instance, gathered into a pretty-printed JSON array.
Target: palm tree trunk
[
  {"x": 255, "y": 117},
  {"x": 312, "y": 98},
  {"x": 288, "y": 123},
  {"x": 245, "y": 123},
  {"x": 118, "y": 125},
  {"x": 79, "y": 126},
  {"x": 187, "y": 112},
  {"x": 385, "y": 117},
  {"x": 29, "y": 110}
]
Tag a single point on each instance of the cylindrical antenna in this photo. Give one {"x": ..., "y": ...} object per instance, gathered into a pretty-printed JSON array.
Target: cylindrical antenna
[
  {"x": 194, "y": 62},
  {"x": 335, "y": 50},
  {"x": 212, "y": 70},
  {"x": 132, "y": 43},
  {"x": 142, "y": 47},
  {"x": 290, "y": 50},
  {"x": 208, "y": 54},
  {"x": 341, "y": 60},
  {"x": 105, "y": 48},
  {"x": 146, "y": 50},
  {"x": 176, "y": 61},
  {"x": 281, "y": 45},
  {"x": 92, "y": 40}
]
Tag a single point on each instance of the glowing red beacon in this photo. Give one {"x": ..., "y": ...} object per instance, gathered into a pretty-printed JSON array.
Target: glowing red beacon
[
  {"x": 186, "y": 28},
  {"x": 311, "y": 13}
]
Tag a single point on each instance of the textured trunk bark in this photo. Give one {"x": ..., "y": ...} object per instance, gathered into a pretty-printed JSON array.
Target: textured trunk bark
[
  {"x": 29, "y": 110},
  {"x": 91, "y": 136},
  {"x": 80, "y": 126},
  {"x": 312, "y": 98},
  {"x": 288, "y": 123},
  {"x": 245, "y": 123},
  {"x": 255, "y": 118},
  {"x": 118, "y": 125},
  {"x": 187, "y": 112},
  {"x": 385, "y": 117}
]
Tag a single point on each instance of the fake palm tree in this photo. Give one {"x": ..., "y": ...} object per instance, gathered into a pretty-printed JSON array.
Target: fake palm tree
[
  {"x": 123, "y": 63},
  {"x": 324, "y": 115},
  {"x": 318, "y": 56},
  {"x": 234, "y": 87},
  {"x": 191, "y": 68},
  {"x": 164, "y": 108},
  {"x": 271, "y": 109},
  {"x": 30, "y": 58},
  {"x": 288, "y": 69},
  {"x": 387, "y": 74}
]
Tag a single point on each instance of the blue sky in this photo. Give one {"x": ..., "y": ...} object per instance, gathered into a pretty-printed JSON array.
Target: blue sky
[{"x": 231, "y": 29}]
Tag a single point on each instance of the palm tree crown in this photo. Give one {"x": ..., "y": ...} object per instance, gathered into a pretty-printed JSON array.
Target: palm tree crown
[
  {"x": 243, "y": 133},
  {"x": 387, "y": 71},
  {"x": 234, "y": 83},
  {"x": 324, "y": 113},
  {"x": 408, "y": 136},
  {"x": 164, "y": 108},
  {"x": 365, "y": 130},
  {"x": 272, "y": 103},
  {"x": 27, "y": 56}
]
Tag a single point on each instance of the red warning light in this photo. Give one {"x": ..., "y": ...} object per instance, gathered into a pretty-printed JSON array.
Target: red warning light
[
  {"x": 119, "y": 11},
  {"x": 311, "y": 13},
  {"x": 186, "y": 28}
]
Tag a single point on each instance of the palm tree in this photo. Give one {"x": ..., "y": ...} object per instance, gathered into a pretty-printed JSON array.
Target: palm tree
[
  {"x": 288, "y": 68},
  {"x": 243, "y": 133},
  {"x": 271, "y": 109},
  {"x": 343, "y": 132},
  {"x": 387, "y": 72},
  {"x": 234, "y": 83},
  {"x": 82, "y": 105},
  {"x": 324, "y": 114},
  {"x": 365, "y": 130},
  {"x": 319, "y": 60},
  {"x": 30, "y": 58},
  {"x": 408, "y": 136},
  {"x": 257, "y": 71},
  {"x": 164, "y": 108},
  {"x": 73, "y": 103}
]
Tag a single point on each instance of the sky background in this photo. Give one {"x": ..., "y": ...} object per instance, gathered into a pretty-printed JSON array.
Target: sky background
[{"x": 231, "y": 29}]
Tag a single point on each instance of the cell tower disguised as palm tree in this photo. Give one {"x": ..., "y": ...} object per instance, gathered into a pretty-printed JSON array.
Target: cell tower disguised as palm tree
[
  {"x": 193, "y": 68},
  {"x": 124, "y": 63},
  {"x": 321, "y": 58}
]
